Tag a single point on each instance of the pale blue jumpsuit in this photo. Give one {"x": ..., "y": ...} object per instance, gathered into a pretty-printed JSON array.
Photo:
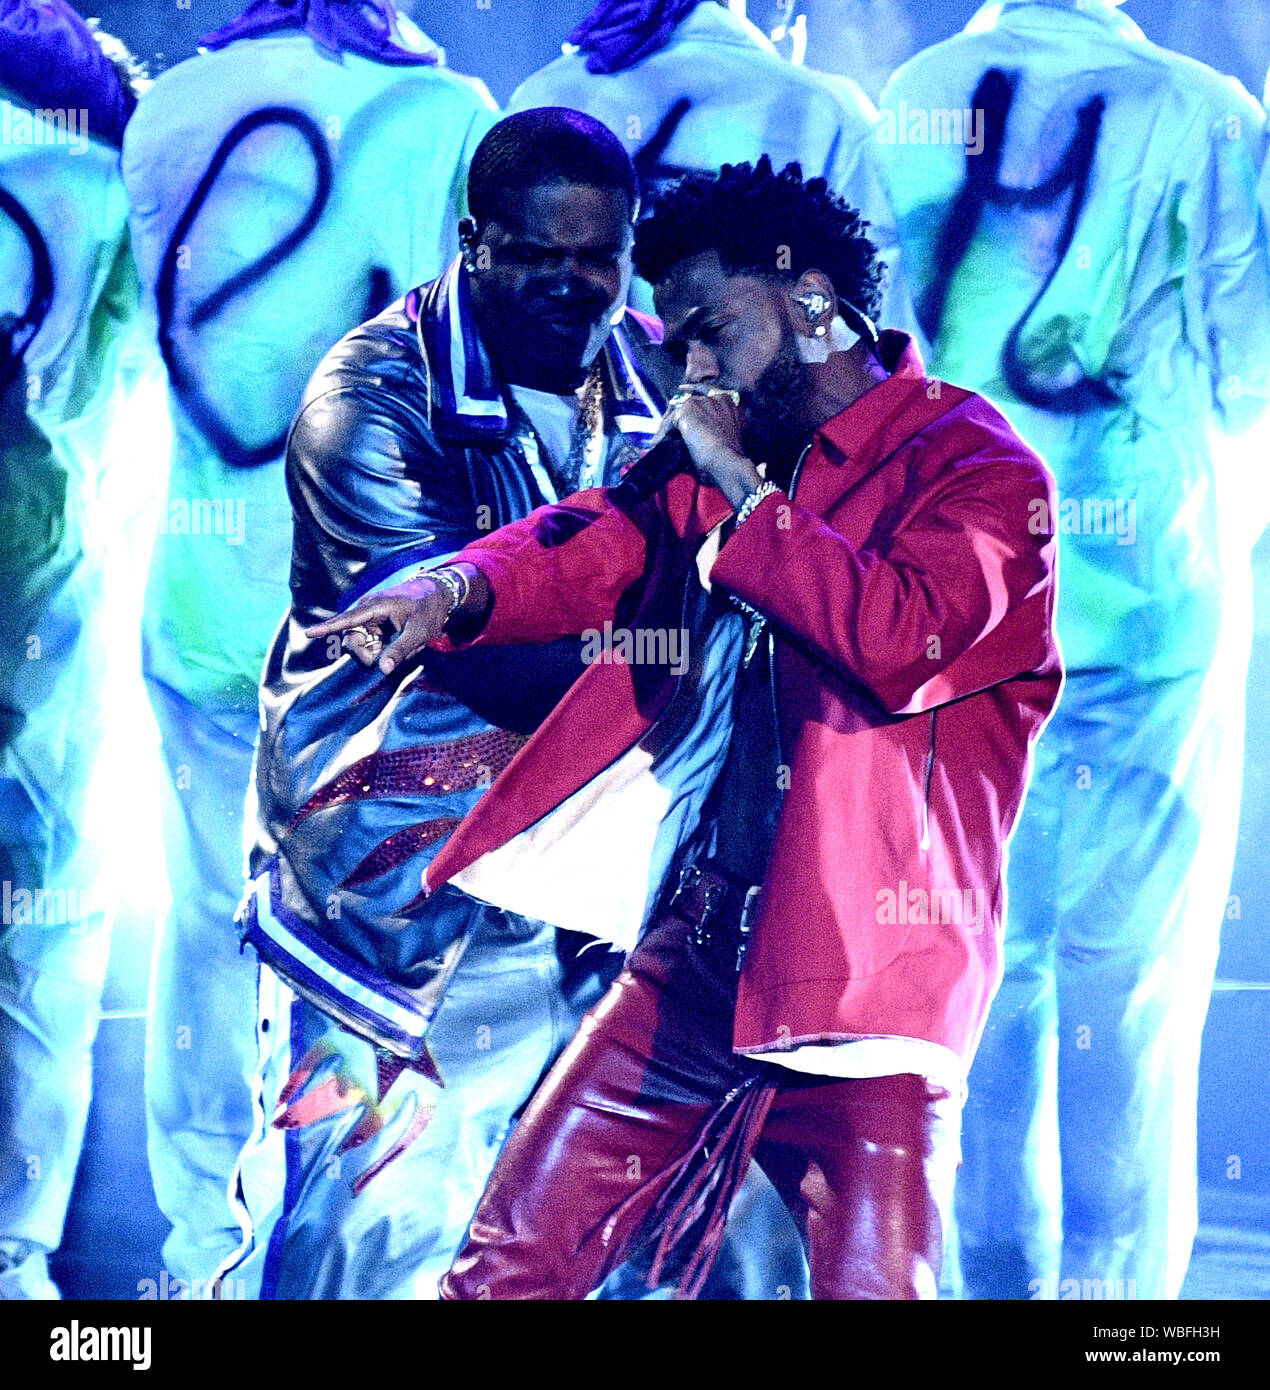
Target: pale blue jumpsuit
[
  {"x": 395, "y": 142},
  {"x": 1129, "y": 343},
  {"x": 68, "y": 313}
]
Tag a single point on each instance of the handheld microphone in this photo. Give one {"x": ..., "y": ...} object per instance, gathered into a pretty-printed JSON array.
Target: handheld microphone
[
  {"x": 668, "y": 456},
  {"x": 654, "y": 470}
]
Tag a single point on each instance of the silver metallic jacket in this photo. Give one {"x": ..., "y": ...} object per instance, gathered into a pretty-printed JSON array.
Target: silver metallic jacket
[{"x": 404, "y": 449}]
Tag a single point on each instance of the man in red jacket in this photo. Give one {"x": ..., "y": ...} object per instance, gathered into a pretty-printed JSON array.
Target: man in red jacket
[{"x": 838, "y": 662}]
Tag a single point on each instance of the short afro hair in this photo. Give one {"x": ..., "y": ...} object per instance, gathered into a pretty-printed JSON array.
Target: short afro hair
[
  {"x": 769, "y": 225},
  {"x": 548, "y": 144}
]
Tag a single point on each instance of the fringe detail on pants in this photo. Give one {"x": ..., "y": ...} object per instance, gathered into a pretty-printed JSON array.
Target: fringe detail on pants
[{"x": 726, "y": 1142}]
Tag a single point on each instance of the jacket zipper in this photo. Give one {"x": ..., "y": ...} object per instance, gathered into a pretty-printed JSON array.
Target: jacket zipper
[
  {"x": 771, "y": 636},
  {"x": 930, "y": 769}
]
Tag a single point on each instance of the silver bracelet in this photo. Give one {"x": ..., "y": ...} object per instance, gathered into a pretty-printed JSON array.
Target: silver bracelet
[
  {"x": 763, "y": 490},
  {"x": 454, "y": 582}
]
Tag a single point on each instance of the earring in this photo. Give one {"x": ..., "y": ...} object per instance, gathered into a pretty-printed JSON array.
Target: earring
[
  {"x": 819, "y": 330},
  {"x": 467, "y": 239}
]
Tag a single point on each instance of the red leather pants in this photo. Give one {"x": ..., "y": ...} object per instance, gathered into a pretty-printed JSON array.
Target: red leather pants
[{"x": 648, "y": 1121}]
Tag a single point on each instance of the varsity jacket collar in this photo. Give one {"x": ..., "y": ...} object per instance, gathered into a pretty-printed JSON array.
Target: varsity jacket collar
[{"x": 467, "y": 400}]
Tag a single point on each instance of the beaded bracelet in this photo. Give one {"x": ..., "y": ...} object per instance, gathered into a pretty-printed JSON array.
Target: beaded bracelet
[
  {"x": 454, "y": 582},
  {"x": 763, "y": 490}
]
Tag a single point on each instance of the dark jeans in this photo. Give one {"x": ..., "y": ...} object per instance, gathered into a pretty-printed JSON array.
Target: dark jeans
[{"x": 647, "y": 1123}]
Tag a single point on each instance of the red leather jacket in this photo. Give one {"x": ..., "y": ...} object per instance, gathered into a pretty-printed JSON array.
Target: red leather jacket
[{"x": 911, "y": 592}]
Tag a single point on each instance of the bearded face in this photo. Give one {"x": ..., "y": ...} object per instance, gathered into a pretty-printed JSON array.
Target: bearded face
[
  {"x": 550, "y": 277},
  {"x": 775, "y": 407}
]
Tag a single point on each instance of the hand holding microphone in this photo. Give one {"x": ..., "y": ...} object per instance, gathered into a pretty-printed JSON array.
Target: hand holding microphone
[{"x": 702, "y": 427}]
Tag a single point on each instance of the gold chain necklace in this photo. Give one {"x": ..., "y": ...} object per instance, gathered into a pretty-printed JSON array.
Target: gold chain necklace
[{"x": 584, "y": 467}]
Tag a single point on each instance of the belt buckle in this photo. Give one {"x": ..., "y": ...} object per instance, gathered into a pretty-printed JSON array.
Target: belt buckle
[{"x": 747, "y": 915}]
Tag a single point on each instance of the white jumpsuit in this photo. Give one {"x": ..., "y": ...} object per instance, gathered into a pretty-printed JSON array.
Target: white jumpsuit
[
  {"x": 66, "y": 274},
  {"x": 1119, "y": 314},
  {"x": 394, "y": 142}
]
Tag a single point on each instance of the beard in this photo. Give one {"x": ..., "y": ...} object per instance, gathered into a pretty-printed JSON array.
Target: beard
[
  {"x": 540, "y": 341},
  {"x": 775, "y": 417}
]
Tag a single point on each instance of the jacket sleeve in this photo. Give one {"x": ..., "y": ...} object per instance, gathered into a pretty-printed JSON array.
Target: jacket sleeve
[
  {"x": 956, "y": 597},
  {"x": 560, "y": 571},
  {"x": 1226, "y": 270},
  {"x": 371, "y": 491}
]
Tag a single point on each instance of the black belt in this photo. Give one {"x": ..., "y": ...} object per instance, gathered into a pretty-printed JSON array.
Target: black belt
[{"x": 718, "y": 908}]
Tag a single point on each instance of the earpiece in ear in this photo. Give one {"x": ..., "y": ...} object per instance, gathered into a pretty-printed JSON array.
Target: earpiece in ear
[{"x": 814, "y": 305}]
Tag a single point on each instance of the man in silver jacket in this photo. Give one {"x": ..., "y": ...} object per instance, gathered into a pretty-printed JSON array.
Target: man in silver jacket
[{"x": 398, "y": 1038}]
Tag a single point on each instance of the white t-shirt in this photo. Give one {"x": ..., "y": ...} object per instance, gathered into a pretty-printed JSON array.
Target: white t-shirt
[{"x": 554, "y": 418}]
